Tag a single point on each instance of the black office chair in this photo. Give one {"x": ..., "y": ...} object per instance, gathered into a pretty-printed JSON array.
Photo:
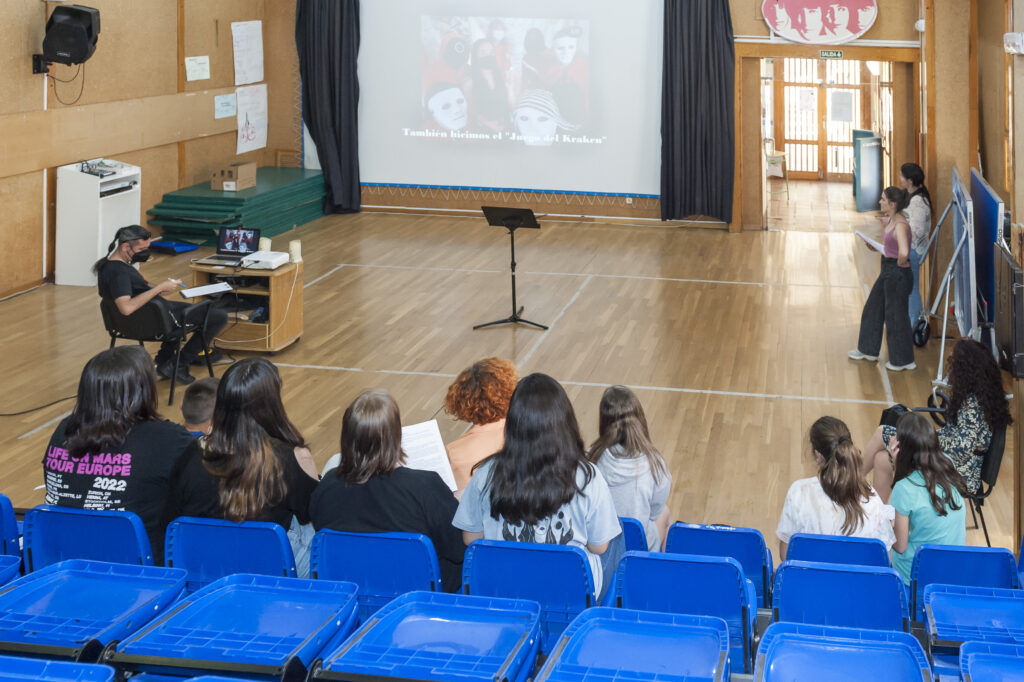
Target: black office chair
[
  {"x": 155, "y": 321},
  {"x": 990, "y": 462}
]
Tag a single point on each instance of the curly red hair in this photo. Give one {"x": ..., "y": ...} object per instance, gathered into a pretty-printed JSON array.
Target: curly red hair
[{"x": 480, "y": 394}]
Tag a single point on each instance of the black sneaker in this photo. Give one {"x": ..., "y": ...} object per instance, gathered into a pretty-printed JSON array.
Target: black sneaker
[
  {"x": 215, "y": 356},
  {"x": 166, "y": 370}
]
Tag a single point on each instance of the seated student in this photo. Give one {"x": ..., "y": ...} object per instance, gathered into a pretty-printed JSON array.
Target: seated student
[
  {"x": 479, "y": 396},
  {"x": 634, "y": 469},
  {"x": 371, "y": 492},
  {"x": 118, "y": 281},
  {"x": 927, "y": 495},
  {"x": 197, "y": 406},
  {"x": 540, "y": 487},
  {"x": 837, "y": 501},
  {"x": 248, "y": 468},
  {"x": 114, "y": 451}
]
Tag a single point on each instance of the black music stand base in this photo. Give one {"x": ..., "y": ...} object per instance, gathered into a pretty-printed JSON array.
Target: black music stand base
[
  {"x": 514, "y": 319},
  {"x": 511, "y": 222}
]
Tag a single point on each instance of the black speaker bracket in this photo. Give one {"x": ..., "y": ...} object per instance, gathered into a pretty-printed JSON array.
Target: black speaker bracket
[{"x": 39, "y": 64}]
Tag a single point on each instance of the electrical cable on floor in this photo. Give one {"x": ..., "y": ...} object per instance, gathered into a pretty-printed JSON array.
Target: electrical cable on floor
[{"x": 36, "y": 409}]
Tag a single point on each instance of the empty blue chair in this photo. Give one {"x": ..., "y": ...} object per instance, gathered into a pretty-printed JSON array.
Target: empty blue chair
[
  {"x": 958, "y": 614},
  {"x": 73, "y": 609},
  {"x": 837, "y": 549},
  {"x": 54, "y": 534},
  {"x": 1020, "y": 562},
  {"x": 267, "y": 627},
  {"x": 384, "y": 565},
  {"x": 634, "y": 535},
  {"x": 39, "y": 670},
  {"x": 9, "y": 567},
  {"x": 791, "y": 651},
  {"x": 846, "y": 596},
  {"x": 985, "y": 662},
  {"x": 209, "y": 549},
  {"x": 745, "y": 545},
  {"x": 557, "y": 577},
  {"x": 620, "y": 644},
  {"x": 695, "y": 585},
  {"x": 957, "y": 565},
  {"x": 437, "y": 636},
  {"x": 8, "y": 528}
]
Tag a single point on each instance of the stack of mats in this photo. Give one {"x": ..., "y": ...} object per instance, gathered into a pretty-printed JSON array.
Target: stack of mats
[{"x": 283, "y": 198}]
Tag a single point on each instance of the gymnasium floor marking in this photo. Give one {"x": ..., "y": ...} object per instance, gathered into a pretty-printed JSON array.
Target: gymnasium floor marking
[
  {"x": 536, "y": 344},
  {"x": 44, "y": 425}
]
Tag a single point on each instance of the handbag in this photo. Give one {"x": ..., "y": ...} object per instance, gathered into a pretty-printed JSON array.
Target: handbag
[{"x": 892, "y": 414}]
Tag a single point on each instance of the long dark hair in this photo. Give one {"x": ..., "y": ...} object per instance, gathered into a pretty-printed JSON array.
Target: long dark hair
[
  {"x": 128, "y": 233},
  {"x": 840, "y": 475},
  {"x": 247, "y": 415},
  {"x": 534, "y": 474},
  {"x": 117, "y": 390},
  {"x": 914, "y": 173},
  {"x": 371, "y": 438},
  {"x": 920, "y": 451},
  {"x": 622, "y": 422},
  {"x": 973, "y": 371}
]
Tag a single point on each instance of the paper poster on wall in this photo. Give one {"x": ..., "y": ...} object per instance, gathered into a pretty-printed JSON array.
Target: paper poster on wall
[
  {"x": 807, "y": 101},
  {"x": 197, "y": 68},
  {"x": 840, "y": 108},
  {"x": 247, "y": 39},
  {"x": 252, "y": 118},
  {"x": 224, "y": 106}
]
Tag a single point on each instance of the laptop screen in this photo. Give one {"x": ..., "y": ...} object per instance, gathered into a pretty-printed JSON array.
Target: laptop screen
[{"x": 238, "y": 240}]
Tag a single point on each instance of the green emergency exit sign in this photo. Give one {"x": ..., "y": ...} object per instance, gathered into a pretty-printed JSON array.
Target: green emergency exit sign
[{"x": 830, "y": 54}]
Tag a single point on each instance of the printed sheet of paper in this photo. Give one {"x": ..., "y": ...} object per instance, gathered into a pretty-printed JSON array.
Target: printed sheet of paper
[
  {"x": 224, "y": 106},
  {"x": 197, "y": 68},
  {"x": 252, "y": 118},
  {"x": 876, "y": 245},
  {"x": 424, "y": 449},
  {"x": 247, "y": 39},
  {"x": 841, "y": 106}
]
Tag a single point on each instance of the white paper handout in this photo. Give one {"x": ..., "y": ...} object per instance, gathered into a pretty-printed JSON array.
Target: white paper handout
[
  {"x": 247, "y": 40},
  {"x": 424, "y": 449},
  {"x": 224, "y": 106},
  {"x": 876, "y": 245},
  {"x": 252, "y": 118},
  {"x": 197, "y": 68},
  {"x": 206, "y": 290}
]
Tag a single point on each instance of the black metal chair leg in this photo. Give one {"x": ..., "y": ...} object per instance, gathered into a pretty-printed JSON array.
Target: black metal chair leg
[
  {"x": 984, "y": 528},
  {"x": 113, "y": 340},
  {"x": 974, "y": 518},
  {"x": 206, "y": 351},
  {"x": 174, "y": 377}
]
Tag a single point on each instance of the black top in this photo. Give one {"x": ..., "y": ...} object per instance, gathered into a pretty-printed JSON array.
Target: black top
[
  {"x": 407, "y": 501},
  {"x": 116, "y": 279},
  {"x": 134, "y": 477},
  {"x": 196, "y": 492}
]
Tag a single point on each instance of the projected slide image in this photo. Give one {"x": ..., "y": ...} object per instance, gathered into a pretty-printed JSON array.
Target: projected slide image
[{"x": 516, "y": 81}]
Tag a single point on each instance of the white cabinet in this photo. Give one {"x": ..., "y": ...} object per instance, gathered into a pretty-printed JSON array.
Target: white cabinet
[{"x": 91, "y": 206}]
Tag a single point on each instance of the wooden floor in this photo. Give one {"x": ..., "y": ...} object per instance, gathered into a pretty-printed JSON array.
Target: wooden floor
[{"x": 735, "y": 343}]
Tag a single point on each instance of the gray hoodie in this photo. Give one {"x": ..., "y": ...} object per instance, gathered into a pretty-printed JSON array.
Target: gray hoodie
[{"x": 634, "y": 491}]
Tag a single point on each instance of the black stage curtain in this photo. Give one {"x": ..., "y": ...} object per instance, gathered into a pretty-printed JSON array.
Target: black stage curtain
[
  {"x": 327, "y": 38},
  {"x": 697, "y": 108}
]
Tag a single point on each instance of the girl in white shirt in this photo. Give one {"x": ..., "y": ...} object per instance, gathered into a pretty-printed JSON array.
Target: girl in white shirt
[
  {"x": 919, "y": 214},
  {"x": 838, "y": 501}
]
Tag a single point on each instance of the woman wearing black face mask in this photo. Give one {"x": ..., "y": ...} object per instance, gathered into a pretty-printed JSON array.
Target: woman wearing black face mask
[
  {"x": 118, "y": 281},
  {"x": 489, "y": 96}
]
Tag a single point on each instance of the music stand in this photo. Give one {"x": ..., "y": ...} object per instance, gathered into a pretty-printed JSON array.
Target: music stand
[{"x": 511, "y": 219}]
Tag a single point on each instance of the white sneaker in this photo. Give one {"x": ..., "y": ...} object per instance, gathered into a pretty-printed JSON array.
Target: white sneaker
[
  {"x": 899, "y": 368},
  {"x": 857, "y": 355}
]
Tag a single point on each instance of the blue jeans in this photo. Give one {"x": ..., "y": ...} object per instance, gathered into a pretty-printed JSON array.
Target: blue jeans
[{"x": 915, "y": 304}]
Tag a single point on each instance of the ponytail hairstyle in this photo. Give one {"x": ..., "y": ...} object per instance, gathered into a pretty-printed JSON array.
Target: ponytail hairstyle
[
  {"x": 840, "y": 475},
  {"x": 247, "y": 417},
  {"x": 920, "y": 451},
  {"x": 129, "y": 233},
  {"x": 914, "y": 173},
  {"x": 897, "y": 196},
  {"x": 622, "y": 422}
]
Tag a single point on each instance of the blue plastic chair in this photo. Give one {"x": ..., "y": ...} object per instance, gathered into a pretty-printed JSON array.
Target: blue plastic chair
[
  {"x": 634, "y": 535},
  {"x": 558, "y": 577},
  {"x": 745, "y": 545},
  {"x": 985, "y": 662},
  {"x": 1020, "y": 563},
  {"x": 8, "y": 528},
  {"x": 54, "y": 534},
  {"x": 621, "y": 644},
  {"x": 73, "y": 609},
  {"x": 837, "y": 549},
  {"x": 791, "y": 651},
  {"x": 13, "y": 668},
  {"x": 958, "y": 565},
  {"x": 267, "y": 627},
  {"x": 437, "y": 636},
  {"x": 845, "y": 596},
  {"x": 209, "y": 549},
  {"x": 384, "y": 565},
  {"x": 695, "y": 585},
  {"x": 9, "y": 567},
  {"x": 957, "y": 614}
]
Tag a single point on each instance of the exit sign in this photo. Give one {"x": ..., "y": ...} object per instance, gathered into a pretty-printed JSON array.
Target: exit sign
[{"x": 830, "y": 54}]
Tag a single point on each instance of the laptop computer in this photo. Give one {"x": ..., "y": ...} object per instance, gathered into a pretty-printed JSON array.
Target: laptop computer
[{"x": 233, "y": 244}]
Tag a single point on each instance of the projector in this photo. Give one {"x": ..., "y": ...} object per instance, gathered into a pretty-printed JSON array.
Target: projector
[{"x": 265, "y": 260}]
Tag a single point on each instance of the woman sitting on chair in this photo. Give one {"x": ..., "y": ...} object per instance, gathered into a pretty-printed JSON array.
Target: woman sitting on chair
[{"x": 977, "y": 406}]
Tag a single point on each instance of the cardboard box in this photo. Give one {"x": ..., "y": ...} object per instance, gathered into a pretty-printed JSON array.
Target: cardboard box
[{"x": 235, "y": 177}]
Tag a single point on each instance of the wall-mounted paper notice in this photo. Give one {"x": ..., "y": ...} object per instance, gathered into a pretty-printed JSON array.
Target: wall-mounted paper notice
[
  {"x": 197, "y": 68},
  {"x": 252, "y": 118},
  {"x": 247, "y": 39},
  {"x": 224, "y": 106},
  {"x": 424, "y": 449}
]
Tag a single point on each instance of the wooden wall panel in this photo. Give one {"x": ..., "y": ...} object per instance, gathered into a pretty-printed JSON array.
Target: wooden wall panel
[
  {"x": 208, "y": 32},
  {"x": 895, "y": 20},
  {"x": 21, "y": 35},
  {"x": 204, "y": 154},
  {"x": 159, "y": 173},
  {"x": 282, "y": 73},
  {"x": 903, "y": 136},
  {"x": 992, "y": 96},
  {"x": 21, "y": 230},
  {"x": 750, "y": 145}
]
